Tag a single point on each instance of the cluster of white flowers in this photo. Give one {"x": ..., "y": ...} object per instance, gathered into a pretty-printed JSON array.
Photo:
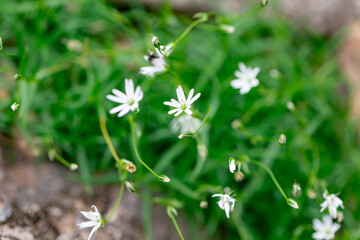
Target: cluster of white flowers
[{"x": 327, "y": 228}]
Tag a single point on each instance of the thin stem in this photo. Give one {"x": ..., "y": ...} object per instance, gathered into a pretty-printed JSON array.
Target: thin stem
[
  {"x": 118, "y": 201},
  {"x": 188, "y": 29},
  {"x": 176, "y": 225},
  {"x": 61, "y": 159},
  {"x": 135, "y": 148},
  {"x": 260, "y": 164},
  {"x": 107, "y": 138},
  {"x": 237, "y": 17},
  {"x": 18, "y": 88}
]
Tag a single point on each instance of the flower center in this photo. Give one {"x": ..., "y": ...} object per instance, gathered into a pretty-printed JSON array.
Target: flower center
[{"x": 131, "y": 101}]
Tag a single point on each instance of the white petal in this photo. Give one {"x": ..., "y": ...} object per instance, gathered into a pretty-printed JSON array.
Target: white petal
[
  {"x": 119, "y": 94},
  {"x": 115, "y": 99},
  {"x": 86, "y": 224},
  {"x": 129, "y": 88},
  {"x": 245, "y": 89},
  {"x": 333, "y": 211},
  {"x": 148, "y": 71},
  {"x": 191, "y": 93},
  {"x": 242, "y": 67},
  {"x": 118, "y": 108},
  {"x": 254, "y": 82},
  {"x": 89, "y": 215},
  {"x": 93, "y": 231},
  {"x": 323, "y": 206},
  {"x": 178, "y": 113},
  {"x": 172, "y": 104},
  {"x": 124, "y": 111},
  {"x": 188, "y": 111},
  {"x": 138, "y": 94},
  {"x": 194, "y": 98},
  {"x": 256, "y": 71},
  {"x": 180, "y": 94},
  {"x": 227, "y": 210},
  {"x": 173, "y": 111}
]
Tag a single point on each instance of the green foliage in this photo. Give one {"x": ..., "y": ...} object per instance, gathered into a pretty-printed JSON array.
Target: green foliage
[{"x": 63, "y": 92}]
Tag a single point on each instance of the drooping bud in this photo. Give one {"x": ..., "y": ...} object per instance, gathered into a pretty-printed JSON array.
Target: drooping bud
[
  {"x": 15, "y": 106},
  {"x": 164, "y": 179},
  {"x": 239, "y": 176},
  {"x": 292, "y": 203},
  {"x": 73, "y": 166},
  {"x": 131, "y": 187},
  {"x": 264, "y": 2},
  {"x": 282, "y": 139},
  {"x": 290, "y": 105},
  {"x": 171, "y": 211}
]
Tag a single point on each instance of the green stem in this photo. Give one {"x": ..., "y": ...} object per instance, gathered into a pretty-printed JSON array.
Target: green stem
[
  {"x": 118, "y": 201},
  {"x": 260, "y": 164},
  {"x": 135, "y": 148},
  {"x": 61, "y": 159},
  {"x": 18, "y": 88},
  {"x": 105, "y": 133},
  {"x": 188, "y": 29},
  {"x": 176, "y": 226},
  {"x": 237, "y": 17}
]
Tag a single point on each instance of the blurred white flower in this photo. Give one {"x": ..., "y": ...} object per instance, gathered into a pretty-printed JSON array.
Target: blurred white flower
[
  {"x": 129, "y": 101},
  {"x": 226, "y": 202},
  {"x": 227, "y": 28},
  {"x": 332, "y": 202},
  {"x": 325, "y": 229},
  {"x": 15, "y": 106},
  {"x": 96, "y": 221},
  {"x": 290, "y": 105},
  {"x": 232, "y": 165},
  {"x": 246, "y": 78},
  {"x": 155, "y": 40},
  {"x": 183, "y": 104},
  {"x": 185, "y": 123},
  {"x": 282, "y": 139},
  {"x": 157, "y": 64}
]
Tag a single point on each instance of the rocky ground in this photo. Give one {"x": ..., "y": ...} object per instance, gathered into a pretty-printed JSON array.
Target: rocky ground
[{"x": 37, "y": 202}]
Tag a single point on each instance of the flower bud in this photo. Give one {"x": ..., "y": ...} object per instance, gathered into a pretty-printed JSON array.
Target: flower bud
[
  {"x": 73, "y": 166},
  {"x": 171, "y": 211},
  {"x": 128, "y": 165},
  {"x": 290, "y": 105},
  {"x": 340, "y": 217},
  {"x": 311, "y": 193},
  {"x": 17, "y": 77},
  {"x": 296, "y": 191},
  {"x": 202, "y": 150},
  {"x": 282, "y": 139},
  {"x": 239, "y": 176},
  {"x": 131, "y": 187},
  {"x": 1, "y": 45},
  {"x": 15, "y": 106},
  {"x": 227, "y": 28},
  {"x": 264, "y": 2},
  {"x": 236, "y": 124},
  {"x": 51, "y": 154},
  {"x": 292, "y": 203},
  {"x": 204, "y": 204},
  {"x": 155, "y": 41},
  {"x": 164, "y": 179}
]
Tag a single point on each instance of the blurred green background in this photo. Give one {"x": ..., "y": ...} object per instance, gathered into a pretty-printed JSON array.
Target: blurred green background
[{"x": 63, "y": 90}]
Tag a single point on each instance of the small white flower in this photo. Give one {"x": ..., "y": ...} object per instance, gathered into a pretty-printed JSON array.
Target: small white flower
[
  {"x": 332, "y": 202},
  {"x": 129, "y": 101},
  {"x": 232, "y": 165},
  {"x": 185, "y": 123},
  {"x": 246, "y": 78},
  {"x": 157, "y": 64},
  {"x": 226, "y": 202},
  {"x": 325, "y": 229},
  {"x": 15, "y": 106},
  {"x": 96, "y": 221},
  {"x": 183, "y": 104}
]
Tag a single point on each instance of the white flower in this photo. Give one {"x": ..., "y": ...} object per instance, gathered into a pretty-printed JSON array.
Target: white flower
[
  {"x": 246, "y": 78},
  {"x": 15, "y": 106},
  {"x": 129, "y": 101},
  {"x": 226, "y": 202},
  {"x": 332, "y": 202},
  {"x": 183, "y": 104},
  {"x": 185, "y": 123},
  {"x": 95, "y": 222},
  {"x": 325, "y": 229},
  {"x": 232, "y": 165}
]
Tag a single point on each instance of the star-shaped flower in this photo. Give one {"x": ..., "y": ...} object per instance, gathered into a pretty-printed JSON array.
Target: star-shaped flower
[
  {"x": 325, "y": 229},
  {"x": 226, "y": 202},
  {"x": 246, "y": 78},
  {"x": 183, "y": 104},
  {"x": 129, "y": 101},
  {"x": 332, "y": 202},
  {"x": 96, "y": 221}
]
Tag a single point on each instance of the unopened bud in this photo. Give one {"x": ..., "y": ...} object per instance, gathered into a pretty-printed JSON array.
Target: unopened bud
[
  {"x": 264, "y": 2},
  {"x": 311, "y": 193},
  {"x": 239, "y": 176},
  {"x": 130, "y": 187},
  {"x": 171, "y": 211},
  {"x": 1, "y": 45},
  {"x": 290, "y": 105},
  {"x": 296, "y": 191},
  {"x": 340, "y": 217},
  {"x": 202, "y": 150},
  {"x": 155, "y": 41},
  {"x": 282, "y": 139},
  {"x": 292, "y": 203},
  {"x": 236, "y": 124},
  {"x": 181, "y": 136},
  {"x": 227, "y": 28},
  {"x": 274, "y": 73},
  {"x": 51, "y": 154},
  {"x": 15, "y": 106},
  {"x": 204, "y": 204},
  {"x": 73, "y": 167},
  {"x": 17, "y": 77},
  {"x": 164, "y": 179}
]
